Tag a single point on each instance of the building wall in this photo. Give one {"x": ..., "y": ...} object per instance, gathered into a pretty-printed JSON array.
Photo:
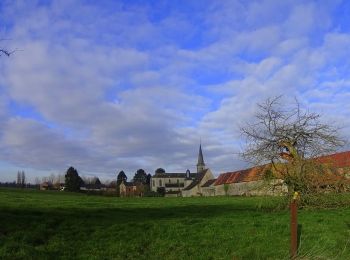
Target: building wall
[
  {"x": 197, "y": 190},
  {"x": 253, "y": 188},
  {"x": 127, "y": 191},
  {"x": 157, "y": 182},
  {"x": 190, "y": 193},
  {"x": 209, "y": 191}
]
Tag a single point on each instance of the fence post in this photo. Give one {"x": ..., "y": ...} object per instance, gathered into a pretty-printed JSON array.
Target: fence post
[{"x": 294, "y": 226}]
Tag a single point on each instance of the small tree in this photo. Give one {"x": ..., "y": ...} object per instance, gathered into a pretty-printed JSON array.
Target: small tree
[
  {"x": 96, "y": 182},
  {"x": 121, "y": 177},
  {"x": 289, "y": 138},
  {"x": 21, "y": 179},
  {"x": 140, "y": 176},
  {"x": 226, "y": 188},
  {"x": 73, "y": 181}
]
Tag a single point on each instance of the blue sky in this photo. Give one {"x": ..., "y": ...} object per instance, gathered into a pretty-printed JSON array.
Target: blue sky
[{"x": 121, "y": 85}]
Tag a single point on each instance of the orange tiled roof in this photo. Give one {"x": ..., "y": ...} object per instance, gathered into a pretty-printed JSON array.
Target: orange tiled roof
[
  {"x": 338, "y": 160},
  {"x": 247, "y": 175}
]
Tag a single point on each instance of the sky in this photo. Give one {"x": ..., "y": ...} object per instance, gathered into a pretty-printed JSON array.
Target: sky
[{"x": 106, "y": 86}]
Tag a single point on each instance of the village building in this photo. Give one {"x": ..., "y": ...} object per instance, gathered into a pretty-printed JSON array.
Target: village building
[
  {"x": 208, "y": 188},
  {"x": 45, "y": 185},
  {"x": 132, "y": 189},
  {"x": 184, "y": 184},
  {"x": 248, "y": 182},
  {"x": 252, "y": 181},
  {"x": 127, "y": 189}
]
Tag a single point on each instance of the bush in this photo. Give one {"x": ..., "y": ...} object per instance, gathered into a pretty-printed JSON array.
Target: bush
[{"x": 152, "y": 194}]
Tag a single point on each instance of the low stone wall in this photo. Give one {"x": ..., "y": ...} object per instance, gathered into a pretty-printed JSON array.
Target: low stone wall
[{"x": 253, "y": 188}]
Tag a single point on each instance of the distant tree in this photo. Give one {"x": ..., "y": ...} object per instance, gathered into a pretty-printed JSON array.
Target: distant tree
[
  {"x": 51, "y": 178},
  {"x": 37, "y": 181},
  {"x": 21, "y": 179},
  {"x": 140, "y": 176},
  {"x": 148, "y": 179},
  {"x": 73, "y": 181},
  {"x": 18, "y": 179},
  {"x": 160, "y": 171},
  {"x": 121, "y": 177},
  {"x": 226, "y": 188},
  {"x": 112, "y": 184},
  {"x": 96, "y": 182}
]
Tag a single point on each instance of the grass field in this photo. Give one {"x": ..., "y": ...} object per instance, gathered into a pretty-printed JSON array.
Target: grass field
[{"x": 50, "y": 225}]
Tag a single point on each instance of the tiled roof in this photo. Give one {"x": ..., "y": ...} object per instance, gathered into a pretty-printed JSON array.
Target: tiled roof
[
  {"x": 338, "y": 160},
  {"x": 197, "y": 180},
  {"x": 208, "y": 183},
  {"x": 251, "y": 174},
  {"x": 129, "y": 184}
]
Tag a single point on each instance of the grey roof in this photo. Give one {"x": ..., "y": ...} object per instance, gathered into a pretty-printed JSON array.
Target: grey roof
[
  {"x": 128, "y": 184},
  {"x": 197, "y": 180},
  {"x": 209, "y": 182},
  {"x": 200, "y": 157},
  {"x": 174, "y": 175}
]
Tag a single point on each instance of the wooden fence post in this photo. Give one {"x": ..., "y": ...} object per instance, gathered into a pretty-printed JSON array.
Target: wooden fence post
[{"x": 294, "y": 226}]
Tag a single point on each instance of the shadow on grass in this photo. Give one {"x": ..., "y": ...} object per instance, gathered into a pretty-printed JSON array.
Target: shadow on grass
[{"x": 124, "y": 215}]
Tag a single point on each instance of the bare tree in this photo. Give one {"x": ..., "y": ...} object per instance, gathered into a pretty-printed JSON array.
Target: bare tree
[
  {"x": 6, "y": 52},
  {"x": 51, "y": 178},
  {"x": 37, "y": 181},
  {"x": 21, "y": 179},
  {"x": 288, "y": 136}
]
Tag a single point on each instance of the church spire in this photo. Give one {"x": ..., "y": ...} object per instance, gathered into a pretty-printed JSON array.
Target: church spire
[{"x": 200, "y": 164}]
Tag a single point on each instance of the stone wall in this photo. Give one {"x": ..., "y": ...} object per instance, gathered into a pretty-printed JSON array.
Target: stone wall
[{"x": 253, "y": 188}]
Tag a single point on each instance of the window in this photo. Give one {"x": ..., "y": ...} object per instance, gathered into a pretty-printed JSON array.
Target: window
[
  {"x": 154, "y": 183},
  {"x": 169, "y": 180},
  {"x": 178, "y": 181},
  {"x": 160, "y": 182}
]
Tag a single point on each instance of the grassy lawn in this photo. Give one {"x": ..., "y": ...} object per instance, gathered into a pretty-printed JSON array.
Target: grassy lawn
[{"x": 49, "y": 225}]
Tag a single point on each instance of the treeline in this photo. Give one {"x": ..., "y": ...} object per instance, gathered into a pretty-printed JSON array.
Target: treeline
[{"x": 73, "y": 182}]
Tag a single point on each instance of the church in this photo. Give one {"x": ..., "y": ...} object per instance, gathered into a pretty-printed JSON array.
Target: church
[{"x": 185, "y": 184}]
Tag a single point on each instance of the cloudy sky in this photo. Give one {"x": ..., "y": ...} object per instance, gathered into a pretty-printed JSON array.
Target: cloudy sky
[{"x": 121, "y": 85}]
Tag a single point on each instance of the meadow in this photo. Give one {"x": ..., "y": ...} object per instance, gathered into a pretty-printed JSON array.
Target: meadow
[{"x": 61, "y": 225}]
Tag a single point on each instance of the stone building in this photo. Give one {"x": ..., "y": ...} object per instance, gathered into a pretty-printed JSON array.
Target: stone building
[
  {"x": 182, "y": 183},
  {"x": 251, "y": 182},
  {"x": 248, "y": 182}
]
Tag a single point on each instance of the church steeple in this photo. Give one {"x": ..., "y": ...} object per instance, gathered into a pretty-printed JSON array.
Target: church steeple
[{"x": 200, "y": 164}]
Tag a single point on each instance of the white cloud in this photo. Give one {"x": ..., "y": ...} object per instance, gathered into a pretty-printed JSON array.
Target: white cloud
[{"x": 127, "y": 86}]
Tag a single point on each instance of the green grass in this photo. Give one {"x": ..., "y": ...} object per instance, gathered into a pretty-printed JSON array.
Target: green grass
[{"x": 51, "y": 225}]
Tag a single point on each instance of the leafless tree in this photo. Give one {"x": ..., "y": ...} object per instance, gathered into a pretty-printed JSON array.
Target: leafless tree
[
  {"x": 37, "y": 181},
  {"x": 51, "y": 178},
  {"x": 288, "y": 134},
  {"x": 21, "y": 179},
  {"x": 5, "y": 51}
]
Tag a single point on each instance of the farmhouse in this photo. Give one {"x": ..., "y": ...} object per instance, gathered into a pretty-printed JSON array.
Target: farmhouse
[
  {"x": 248, "y": 182},
  {"x": 251, "y": 181},
  {"x": 185, "y": 184},
  {"x": 131, "y": 189}
]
